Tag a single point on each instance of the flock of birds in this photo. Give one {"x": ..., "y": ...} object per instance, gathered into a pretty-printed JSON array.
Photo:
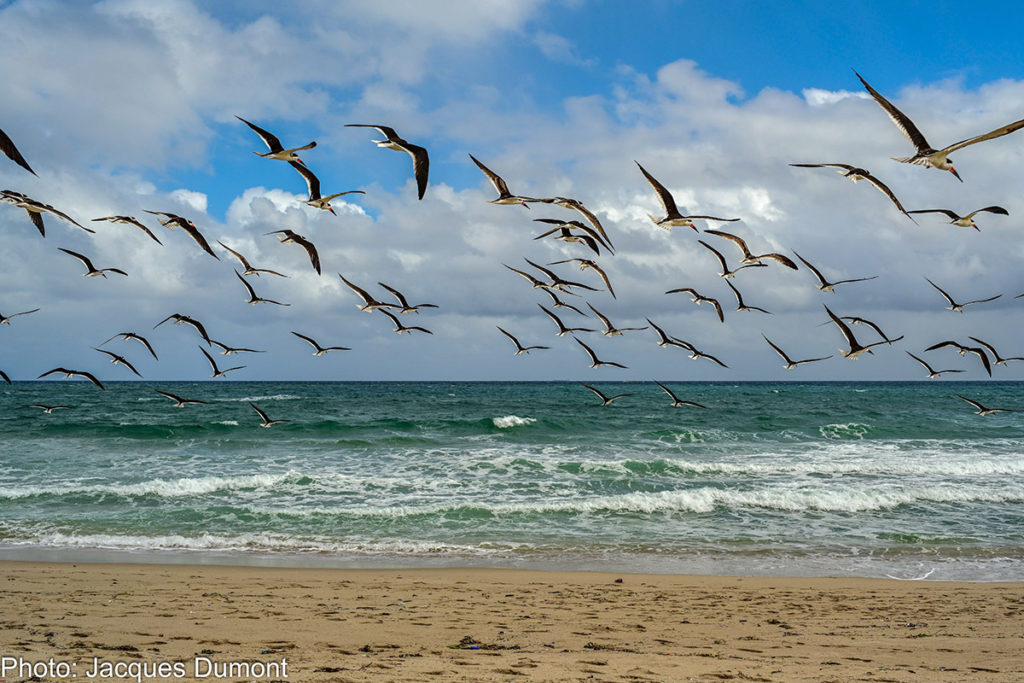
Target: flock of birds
[{"x": 587, "y": 232}]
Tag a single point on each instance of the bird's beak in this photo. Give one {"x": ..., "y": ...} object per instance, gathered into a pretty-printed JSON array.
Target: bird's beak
[
  {"x": 331, "y": 209},
  {"x": 525, "y": 204},
  {"x": 953, "y": 171}
]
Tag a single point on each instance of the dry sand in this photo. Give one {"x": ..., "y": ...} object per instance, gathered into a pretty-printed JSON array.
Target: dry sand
[{"x": 504, "y": 625}]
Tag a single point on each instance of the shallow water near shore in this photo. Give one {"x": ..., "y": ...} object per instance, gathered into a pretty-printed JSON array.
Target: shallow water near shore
[{"x": 817, "y": 479}]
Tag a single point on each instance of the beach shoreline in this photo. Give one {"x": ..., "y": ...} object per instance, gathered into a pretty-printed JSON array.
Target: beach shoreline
[{"x": 416, "y": 624}]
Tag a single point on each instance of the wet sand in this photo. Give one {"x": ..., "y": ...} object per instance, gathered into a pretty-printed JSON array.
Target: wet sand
[{"x": 498, "y": 625}]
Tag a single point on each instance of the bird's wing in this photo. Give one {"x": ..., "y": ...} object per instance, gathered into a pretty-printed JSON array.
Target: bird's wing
[
  {"x": 268, "y": 138},
  {"x": 235, "y": 254},
  {"x": 887, "y": 192},
  {"x": 718, "y": 255},
  {"x": 901, "y": 120},
  {"x": 398, "y": 295},
  {"x": 981, "y": 301},
  {"x": 998, "y": 132},
  {"x": 943, "y": 293},
  {"x": 777, "y": 349},
  {"x": 992, "y": 209},
  {"x": 667, "y": 201},
  {"x": 386, "y": 131},
  {"x": 947, "y": 212},
  {"x": 194, "y": 233},
  {"x": 312, "y": 182},
  {"x": 314, "y": 256},
  {"x": 8, "y": 148},
  {"x": 973, "y": 403},
  {"x": 420, "y": 166},
  {"x": 495, "y": 179}
]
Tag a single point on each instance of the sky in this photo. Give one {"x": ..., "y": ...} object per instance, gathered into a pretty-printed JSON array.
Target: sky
[{"x": 124, "y": 106}]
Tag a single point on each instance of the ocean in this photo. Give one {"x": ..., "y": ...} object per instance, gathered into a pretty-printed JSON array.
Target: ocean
[{"x": 798, "y": 479}]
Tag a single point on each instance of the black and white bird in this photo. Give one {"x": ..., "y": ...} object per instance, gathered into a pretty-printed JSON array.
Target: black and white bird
[
  {"x": 558, "y": 303},
  {"x": 740, "y": 305},
  {"x": 963, "y": 350},
  {"x": 562, "y": 329},
  {"x": 289, "y": 237},
  {"x": 404, "y": 329},
  {"x": 6, "y": 319},
  {"x": 609, "y": 329},
  {"x": 180, "y": 319},
  {"x": 982, "y": 410},
  {"x": 369, "y": 304},
  {"x": 665, "y": 340},
  {"x": 8, "y": 148},
  {"x": 967, "y": 220},
  {"x": 320, "y": 350},
  {"x": 565, "y": 234},
  {"x": 698, "y": 298},
  {"x": 825, "y": 285},
  {"x": 557, "y": 281},
  {"x": 317, "y": 200},
  {"x": 119, "y": 360},
  {"x": 577, "y": 205},
  {"x": 857, "y": 320},
  {"x": 180, "y": 402},
  {"x": 790, "y": 363},
  {"x": 420, "y": 158},
  {"x": 673, "y": 217},
  {"x": 249, "y": 269},
  {"x": 856, "y": 348},
  {"x": 276, "y": 149},
  {"x": 536, "y": 283},
  {"x": 253, "y": 298},
  {"x": 605, "y": 399},
  {"x": 267, "y": 422},
  {"x": 36, "y": 209},
  {"x": 932, "y": 372},
  {"x": 130, "y": 220},
  {"x": 520, "y": 349},
  {"x": 925, "y": 154},
  {"x": 726, "y": 272},
  {"x": 857, "y": 174},
  {"x": 217, "y": 372},
  {"x": 69, "y": 374},
  {"x": 585, "y": 264},
  {"x": 404, "y": 306},
  {"x": 91, "y": 270},
  {"x": 595, "y": 362},
  {"x": 504, "y": 196},
  {"x": 676, "y": 401},
  {"x": 959, "y": 307},
  {"x": 226, "y": 350},
  {"x": 996, "y": 358},
  {"x": 48, "y": 409},
  {"x": 749, "y": 257},
  {"x": 172, "y": 221}
]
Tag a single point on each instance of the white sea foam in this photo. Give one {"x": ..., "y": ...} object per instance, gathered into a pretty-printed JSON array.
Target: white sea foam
[
  {"x": 229, "y": 423},
  {"x": 271, "y": 397},
  {"x": 851, "y": 430},
  {"x": 166, "y": 488},
  {"x": 512, "y": 421}
]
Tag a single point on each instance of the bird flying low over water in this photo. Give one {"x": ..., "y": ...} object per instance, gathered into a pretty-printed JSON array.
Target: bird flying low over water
[
  {"x": 404, "y": 329},
  {"x": 91, "y": 270},
  {"x": 857, "y": 320},
  {"x": 595, "y": 362},
  {"x": 48, "y": 409},
  {"x": 823, "y": 284},
  {"x": 316, "y": 200},
  {"x": 289, "y": 237},
  {"x": 964, "y": 350},
  {"x": 954, "y": 306},
  {"x": 6, "y": 319},
  {"x": 129, "y": 220},
  {"x": 665, "y": 340},
  {"x": 217, "y": 372},
  {"x": 68, "y": 374},
  {"x": 249, "y": 270},
  {"x": 856, "y": 175},
  {"x": 36, "y": 210},
  {"x": 676, "y": 401},
  {"x": 966, "y": 221},
  {"x": 267, "y": 422},
  {"x": 932, "y": 373},
  {"x": 504, "y": 196},
  {"x": 996, "y": 358},
  {"x": 119, "y": 360},
  {"x": 520, "y": 349},
  {"x": 609, "y": 329},
  {"x": 420, "y": 158},
  {"x": 8, "y": 148},
  {"x": 562, "y": 329},
  {"x": 925, "y": 154},
  {"x": 3, "y": 375},
  {"x": 982, "y": 410},
  {"x": 180, "y": 319},
  {"x": 320, "y": 350},
  {"x": 605, "y": 400},
  {"x": 673, "y": 217},
  {"x": 790, "y": 363},
  {"x": 171, "y": 221},
  {"x": 180, "y": 402},
  {"x": 277, "y": 150},
  {"x": 856, "y": 348},
  {"x": 226, "y": 350}
]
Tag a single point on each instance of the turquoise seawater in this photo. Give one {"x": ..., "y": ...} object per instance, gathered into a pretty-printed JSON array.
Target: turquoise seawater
[{"x": 829, "y": 479}]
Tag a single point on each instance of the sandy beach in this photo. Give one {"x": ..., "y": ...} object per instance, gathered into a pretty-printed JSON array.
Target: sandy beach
[{"x": 172, "y": 622}]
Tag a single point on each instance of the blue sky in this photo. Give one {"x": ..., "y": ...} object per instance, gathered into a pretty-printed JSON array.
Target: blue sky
[{"x": 126, "y": 105}]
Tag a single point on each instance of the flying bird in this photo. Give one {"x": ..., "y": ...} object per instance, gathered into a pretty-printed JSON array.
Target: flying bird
[
  {"x": 277, "y": 150},
  {"x": 369, "y": 303},
  {"x": 405, "y": 307},
  {"x": 289, "y": 237},
  {"x": 558, "y": 282},
  {"x": 217, "y": 372},
  {"x": 8, "y": 148},
  {"x": 856, "y": 175},
  {"x": 587, "y": 263},
  {"x": 171, "y": 221},
  {"x": 823, "y": 284},
  {"x": 726, "y": 273},
  {"x": 404, "y": 329},
  {"x": 537, "y": 284},
  {"x": 856, "y": 320},
  {"x": 565, "y": 233},
  {"x": 748, "y": 257},
  {"x": 964, "y": 350},
  {"x": 226, "y": 350},
  {"x": 925, "y": 154},
  {"x": 320, "y": 350},
  {"x": 577, "y": 205},
  {"x": 5, "y": 377},
  {"x": 562, "y": 329},
  {"x": 609, "y": 329},
  {"x": 790, "y": 363},
  {"x": 504, "y": 196},
  {"x": 180, "y": 319},
  {"x": 249, "y": 270},
  {"x": 420, "y": 159},
  {"x": 673, "y": 217},
  {"x": 856, "y": 348},
  {"x": 130, "y": 220},
  {"x": 595, "y": 362},
  {"x": 965, "y": 221},
  {"x": 740, "y": 306},
  {"x": 253, "y": 299},
  {"x": 36, "y": 209},
  {"x": 68, "y": 374},
  {"x": 119, "y": 360},
  {"x": 316, "y": 200},
  {"x": 91, "y": 270},
  {"x": 698, "y": 298},
  {"x": 46, "y": 408},
  {"x": 558, "y": 303},
  {"x": 180, "y": 402},
  {"x": 605, "y": 400},
  {"x": 676, "y": 401},
  {"x": 997, "y": 359},
  {"x": 520, "y": 349},
  {"x": 954, "y": 306},
  {"x": 6, "y": 319},
  {"x": 665, "y": 340},
  {"x": 982, "y": 410},
  {"x": 932, "y": 373},
  {"x": 267, "y": 422}
]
